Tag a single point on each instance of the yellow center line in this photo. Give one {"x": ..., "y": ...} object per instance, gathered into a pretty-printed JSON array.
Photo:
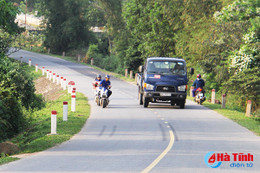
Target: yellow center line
[{"x": 162, "y": 155}]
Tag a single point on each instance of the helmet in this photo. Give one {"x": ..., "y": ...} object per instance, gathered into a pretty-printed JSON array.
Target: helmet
[
  {"x": 107, "y": 76},
  {"x": 198, "y": 76},
  {"x": 98, "y": 76}
]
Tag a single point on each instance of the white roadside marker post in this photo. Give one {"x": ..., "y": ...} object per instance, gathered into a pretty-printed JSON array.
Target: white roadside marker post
[
  {"x": 248, "y": 108},
  {"x": 50, "y": 75},
  {"x": 36, "y": 67},
  {"x": 72, "y": 87},
  {"x": 53, "y": 122},
  {"x": 64, "y": 84},
  {"x": 223, "y": 101},
  {"x": 30, "y": 62},
  {"x": 131, "y": 74},
  {"x": 213, "y": 96},
  {"x": 73, "y": 93},
  {"x": 126, "y": 72},
  {"x": 58, "y": 79},
  {"x": 71, "y": 84},
  {"x": 191, "y": 88},
  {"x": 47, "y": 74},
  {"x": 53, "y": 77},
  {"x": 61, "y": 81},
  {"x": 73, "y": 103},
  {"x": 65, "y": 111},
  {"x": 43, "y": 71}
]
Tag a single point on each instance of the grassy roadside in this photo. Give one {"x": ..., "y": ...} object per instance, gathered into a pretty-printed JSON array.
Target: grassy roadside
[
  {"x": 35, "y": 138},
  {"x": 251, "y": 123}
]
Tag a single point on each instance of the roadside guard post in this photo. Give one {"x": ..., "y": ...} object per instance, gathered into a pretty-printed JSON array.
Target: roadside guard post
[
  {"x": 53, "y": 122},
  {"x": 248, "y": 108},
  {"x": 47, "y": 74},
  {"x": 223, "y": 101},
  {"x": 36, "y": 67},
  {"x": 50, "y": 75},
  {"x": 71, "y": 84},
  {"x": 191, "y": 88},
  {"x": 61, "y": 81},
  {"x": 72, "y": 87},
  {"x": 30, "y": 62},
  {"x": 131, "y": 74},
  {"x": 43, "y": 71},
  {"x": 73, "y": 103},
  {"x": 213, "y": 96},
  {"x": 79, "y": 58},
  {"x": 64, "y": 84},
  {"x": 65, "y": 111},
  {"x": 92, "y": 61},
  {"x": 58, "y": 79},
  {"x": 126, "y": 72},
  {"x": 73, "y": 92},
  {"x": 53, "y": 77}
]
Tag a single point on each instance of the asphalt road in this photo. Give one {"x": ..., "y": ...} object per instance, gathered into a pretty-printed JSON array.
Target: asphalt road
[{"x": 125, "y": 137}]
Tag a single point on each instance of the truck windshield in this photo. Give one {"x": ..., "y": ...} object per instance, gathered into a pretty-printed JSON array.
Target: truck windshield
[{"x": 166, "y": 67}]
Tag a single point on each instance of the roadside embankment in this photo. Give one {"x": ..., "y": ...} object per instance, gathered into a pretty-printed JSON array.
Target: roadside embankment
[{"x": 36, "y": 137}]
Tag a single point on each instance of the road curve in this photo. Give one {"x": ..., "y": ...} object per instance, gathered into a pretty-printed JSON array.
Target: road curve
[{"x": 125, "y": 137}]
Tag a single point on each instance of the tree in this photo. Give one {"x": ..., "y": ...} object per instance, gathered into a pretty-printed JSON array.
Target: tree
[
  {"x": 8, "y": 28},
  {"x": 66, "y": 26}
]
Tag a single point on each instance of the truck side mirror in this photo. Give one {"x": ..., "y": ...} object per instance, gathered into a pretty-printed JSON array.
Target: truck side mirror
[
  {"x": 141, "y": 69},
  {"x": 191, "y": 71}
]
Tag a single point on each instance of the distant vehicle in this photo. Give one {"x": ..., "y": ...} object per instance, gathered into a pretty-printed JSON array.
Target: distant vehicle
[{"x": 163, "y": 80}]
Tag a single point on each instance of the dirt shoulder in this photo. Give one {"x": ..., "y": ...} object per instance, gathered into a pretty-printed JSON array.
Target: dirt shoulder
[{"x": 48, "y": 89}]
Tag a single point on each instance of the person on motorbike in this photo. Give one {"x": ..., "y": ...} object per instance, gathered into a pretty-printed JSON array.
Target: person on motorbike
[
  {"x": 97, "y": 81},
  {"x": 107, "y": 85},
  {"x": 198, "y": 83}
]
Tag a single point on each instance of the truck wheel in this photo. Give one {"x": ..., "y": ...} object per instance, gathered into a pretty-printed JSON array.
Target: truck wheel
[
  {"x": 146, "y": 102},
  {"x": 182, "y": 104},
  {"x": 140, "y": 98}
]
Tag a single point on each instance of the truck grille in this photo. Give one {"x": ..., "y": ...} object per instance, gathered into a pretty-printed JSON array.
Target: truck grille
[{"x": 165, "y": 88}]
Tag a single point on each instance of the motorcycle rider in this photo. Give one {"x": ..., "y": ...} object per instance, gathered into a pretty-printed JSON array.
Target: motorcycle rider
[
  {"x": 106, "y": 84},
  {"x": 97, "y": 81},
  {"x": 198, "y": 83}
]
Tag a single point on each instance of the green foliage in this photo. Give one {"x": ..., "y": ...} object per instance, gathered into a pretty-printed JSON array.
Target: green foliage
[
  {"x": 246, "y": 84},
  {"x": 16, "y": 96}
]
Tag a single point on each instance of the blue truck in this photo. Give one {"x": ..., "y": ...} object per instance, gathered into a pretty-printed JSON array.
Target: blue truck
[{"x": 163, "y": 80}]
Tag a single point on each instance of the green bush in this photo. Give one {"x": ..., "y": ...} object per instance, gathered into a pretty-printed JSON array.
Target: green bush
[{"x": 16, "y": 95}]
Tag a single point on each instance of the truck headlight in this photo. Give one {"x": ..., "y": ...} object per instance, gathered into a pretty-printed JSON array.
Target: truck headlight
[
  {"x": 148, "y": 86},
  {"x": 182, "y": 88}
]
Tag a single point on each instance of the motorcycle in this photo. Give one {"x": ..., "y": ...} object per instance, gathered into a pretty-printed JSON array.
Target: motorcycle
[
  {"x": 104, "y": 101},
  {"x": 97, "y": 96},
  {"x": 199, "y": 96},
  {"x": 97, "y": 92}
]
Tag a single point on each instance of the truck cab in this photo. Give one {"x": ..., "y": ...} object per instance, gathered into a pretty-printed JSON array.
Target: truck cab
[{"x": 162, "y": 80}]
